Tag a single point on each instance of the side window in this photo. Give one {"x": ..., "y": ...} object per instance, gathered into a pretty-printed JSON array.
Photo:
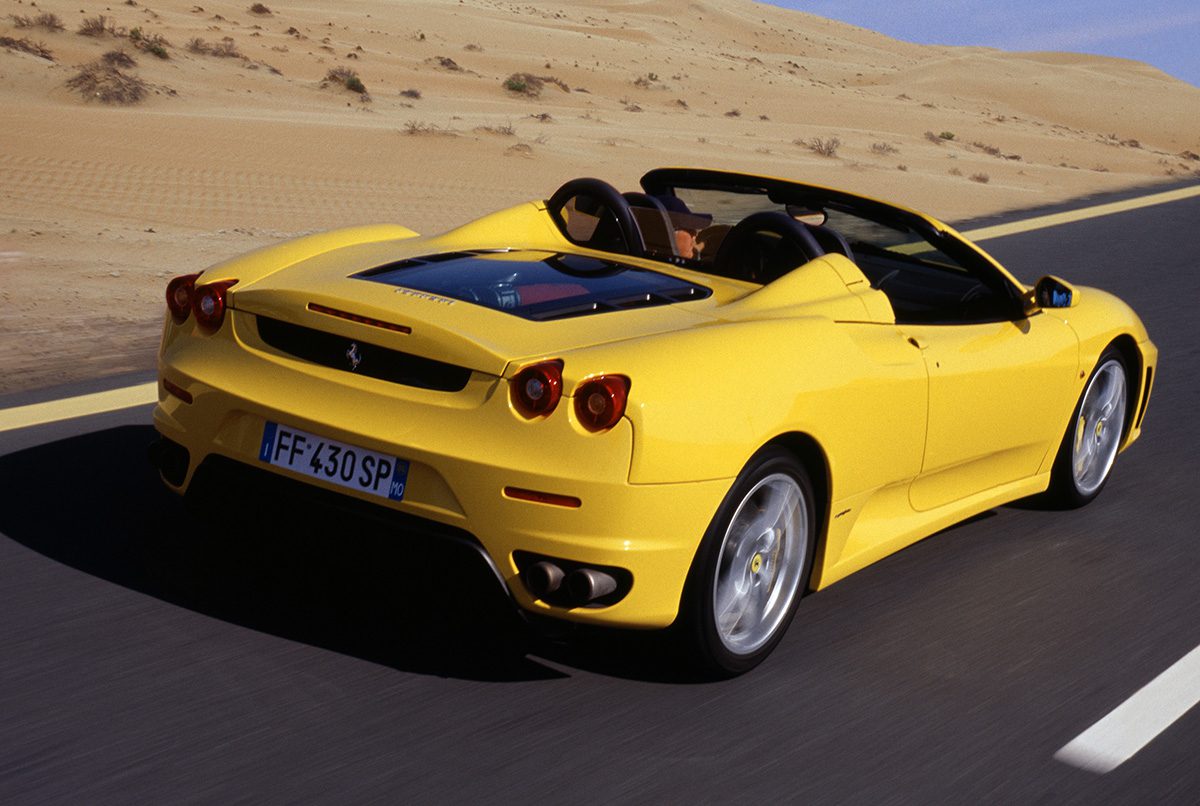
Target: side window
[{"x": 924, "y": 282}]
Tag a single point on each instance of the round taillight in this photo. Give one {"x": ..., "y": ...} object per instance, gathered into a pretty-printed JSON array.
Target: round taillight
[
  {"x": 208, "y": 304},
  {"x": 536, "y": 389},
  {"x": 179, "y": 296},
  {"x": 600, "y": 402}
]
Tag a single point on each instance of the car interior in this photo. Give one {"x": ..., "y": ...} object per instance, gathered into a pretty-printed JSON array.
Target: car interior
[{"x": 756, "y": 230}]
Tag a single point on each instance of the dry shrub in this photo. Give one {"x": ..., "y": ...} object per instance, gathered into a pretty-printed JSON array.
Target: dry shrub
[
  {"x": 822, "y": 146},
  {"x": 733, "y": 113},
  {"x": 884, "y": 149},
  {"x": 155, "y": 44},
  {"x": 411, "y": 93},
  {"x": 27, "y": 46},
  {"x": 347, "y": 78},
  {"x": 946, "y": 136},
  {"x": 421, "y": 128},
  {"x": 519, "y": 150},
  {"x": 49, "y": 22},
  {"x": 956, "y": 171},
  {"x": 987, "y": 149},
  {"x": 981, "y": 178},
  {"x": 99, "y": 26},
  {"x": 474, "y": 48},
  {"x": 259, "y": 8},
  {"x": 506, "y": 130},
  {"x": 118, "y": 58},
  {"x": 445, "y": 63},
  {"x": 226, "y": 48},
  {"x": 933, "y": 138},
  {"x": 530, "y": 85},
  {"x": 542, "y": 117},
  {"x": 101, "y": 82}
]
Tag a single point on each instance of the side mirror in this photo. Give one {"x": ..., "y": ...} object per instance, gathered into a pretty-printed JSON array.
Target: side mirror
[{"x": 1055, "y": 292}]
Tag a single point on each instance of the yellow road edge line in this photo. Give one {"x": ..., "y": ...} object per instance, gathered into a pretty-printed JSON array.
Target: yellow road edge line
[
  {"x": 1083, "y": 213},
  {"x": 80, "y": 406},
  {"x": 146, "y": 393}
]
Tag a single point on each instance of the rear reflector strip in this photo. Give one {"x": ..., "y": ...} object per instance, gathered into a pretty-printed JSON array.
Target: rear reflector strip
[
  {"x": 362, "y": 320},
  {"x": 568, "y": 501}
]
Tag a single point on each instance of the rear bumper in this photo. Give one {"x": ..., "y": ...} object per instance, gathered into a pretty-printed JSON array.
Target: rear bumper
[{"x": 461, "y": 460}]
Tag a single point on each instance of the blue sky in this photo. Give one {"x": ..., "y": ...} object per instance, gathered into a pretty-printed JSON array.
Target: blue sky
[{"x": 1164, "y": 33}]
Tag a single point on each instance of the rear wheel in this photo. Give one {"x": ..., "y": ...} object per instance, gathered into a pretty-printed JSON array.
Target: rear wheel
[
  {"x": 1089, "y": 449},
  {"x": 752, "y": 566}
]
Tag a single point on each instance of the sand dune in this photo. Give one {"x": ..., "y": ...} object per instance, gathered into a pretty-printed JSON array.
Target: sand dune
[{"x": 100, "y": 204}]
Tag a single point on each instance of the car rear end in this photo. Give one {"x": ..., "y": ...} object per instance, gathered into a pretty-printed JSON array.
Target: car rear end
[{"x": 426, "y": 404}]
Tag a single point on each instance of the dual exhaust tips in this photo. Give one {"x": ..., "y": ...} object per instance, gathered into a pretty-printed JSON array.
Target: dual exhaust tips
[{"x": 581, "y": 586}]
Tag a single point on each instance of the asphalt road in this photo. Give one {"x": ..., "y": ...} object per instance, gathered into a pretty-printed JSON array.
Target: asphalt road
[{"x": 262, "y": 654}]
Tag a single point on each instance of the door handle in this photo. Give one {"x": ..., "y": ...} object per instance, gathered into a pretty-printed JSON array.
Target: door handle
[{"x": 915, "y": 342}]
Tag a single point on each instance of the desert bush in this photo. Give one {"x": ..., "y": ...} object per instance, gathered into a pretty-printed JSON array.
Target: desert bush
[
  {"x": 530, "y": 85},
  {"x": 506, "y": 130},
  {"x": 155, "y": 44},
  {"x": 733, "y": 113},
  {"x": 933, "y": 138},
  {"x": 49, "y": 22},
  {"x": 226, "y": 48},
  {"x": 27, "y": 46},
  {"x": 94, "y": 26},
  {"x": 946, "y": 136},
  {"x": 259, "y": 8},
  {"x": 474, "y": 48},
  {"x": 421, "y": 128},
  {"x": 901, "y": 167},
  {"x": 884, "y": 149},
  {"x": 987, "y": 149},
  {"x": 118, "y": 58},
  {"x": 410, "y": 93},
  {"x": 823, "y": 146},
  {"x": 542, "y": 117},
  {"x": 981, "y": 178},
  {"x": 347, "y": 78},
  {"x": 956, "y": 171},
  {"x": 101, "y": 82},
  {"x": 446, "y": 63}
]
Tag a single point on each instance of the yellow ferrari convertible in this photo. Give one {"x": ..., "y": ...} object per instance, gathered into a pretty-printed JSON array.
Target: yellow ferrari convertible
[{"x": 684, "y": 406}]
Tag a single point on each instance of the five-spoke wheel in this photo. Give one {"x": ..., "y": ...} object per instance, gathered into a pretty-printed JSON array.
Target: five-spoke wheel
[
  {"x": 1090, "y": 446},
  {"x": 753, "y": 564}
]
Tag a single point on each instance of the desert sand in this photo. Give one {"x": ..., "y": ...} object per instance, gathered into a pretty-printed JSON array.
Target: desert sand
[{"x": 241, "y": 139}]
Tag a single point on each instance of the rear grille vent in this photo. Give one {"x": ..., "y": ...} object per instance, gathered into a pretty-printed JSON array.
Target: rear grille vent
[{"x": 360, "y": 357}]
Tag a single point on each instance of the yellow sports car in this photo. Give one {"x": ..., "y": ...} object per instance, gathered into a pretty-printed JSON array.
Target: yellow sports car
[{"x": 685, "y": 406}]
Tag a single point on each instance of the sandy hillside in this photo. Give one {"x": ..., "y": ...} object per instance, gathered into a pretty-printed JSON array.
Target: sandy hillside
[{"x": 240, "y": 139}]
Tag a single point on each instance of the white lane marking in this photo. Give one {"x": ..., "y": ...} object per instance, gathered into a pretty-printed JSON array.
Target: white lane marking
[
  {"x": 1136, "y": 722},
  {"x": 1081, "y": 214},
  {"x": 96, "y": 403}
]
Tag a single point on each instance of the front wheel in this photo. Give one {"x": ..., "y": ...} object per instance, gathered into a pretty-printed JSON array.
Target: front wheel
[
  {"x": 752, "y": 566},
  {"x": 1085, "y": 460}
]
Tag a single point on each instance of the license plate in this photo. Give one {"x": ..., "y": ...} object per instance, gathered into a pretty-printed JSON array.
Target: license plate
[{"x": 336, "y": 462}]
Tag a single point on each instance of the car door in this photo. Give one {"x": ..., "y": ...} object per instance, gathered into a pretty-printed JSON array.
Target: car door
[{"x": 997, "y": 394}]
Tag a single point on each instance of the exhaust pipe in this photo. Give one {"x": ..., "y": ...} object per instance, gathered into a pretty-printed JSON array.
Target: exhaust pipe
[
  {"x": 543, "y": 579},
  {"x": 586, "y": 585}
]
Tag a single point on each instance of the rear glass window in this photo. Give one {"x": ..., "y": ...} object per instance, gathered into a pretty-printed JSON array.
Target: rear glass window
[{"x": 537, "y": 285}]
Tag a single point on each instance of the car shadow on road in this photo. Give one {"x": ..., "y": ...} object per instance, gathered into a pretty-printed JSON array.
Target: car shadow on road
[{"x": 281, "y": 566}]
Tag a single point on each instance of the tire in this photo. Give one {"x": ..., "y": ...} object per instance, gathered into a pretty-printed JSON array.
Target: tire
[
  {"x": 1089, "y": 448},
  {"x": 752, "y": 566}
]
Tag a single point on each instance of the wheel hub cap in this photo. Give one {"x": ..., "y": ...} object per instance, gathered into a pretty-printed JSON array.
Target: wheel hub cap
[
  {"x": 760, "y": 564},
  {"x": 1098, "y": 430}
]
